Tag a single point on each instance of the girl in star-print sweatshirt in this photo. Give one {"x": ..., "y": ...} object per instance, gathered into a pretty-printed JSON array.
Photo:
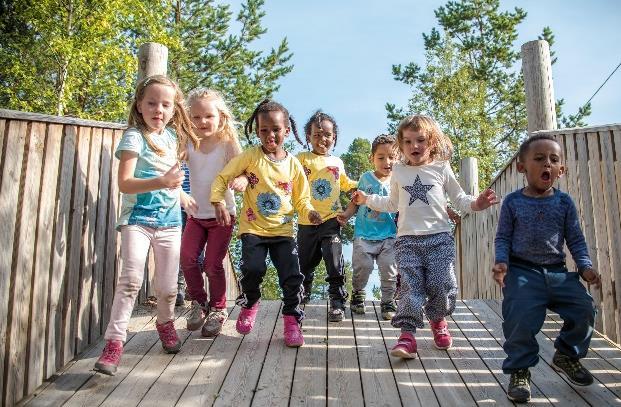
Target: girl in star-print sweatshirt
[{"x": 425, "y": 248}]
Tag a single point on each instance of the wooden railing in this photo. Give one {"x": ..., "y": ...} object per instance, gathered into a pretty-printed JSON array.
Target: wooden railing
[
  {"x": 593, "y": 179},
  {"x": 59, "y": 252}
]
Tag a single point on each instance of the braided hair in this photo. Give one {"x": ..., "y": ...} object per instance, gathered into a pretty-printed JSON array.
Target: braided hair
[
  {"x": 265, "y": 106},
  {"x": 317, "y": 118}
]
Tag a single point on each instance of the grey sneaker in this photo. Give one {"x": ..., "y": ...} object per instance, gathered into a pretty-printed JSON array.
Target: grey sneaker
[
  {"x": 519, "y": 386},
  {"x": 196, "y": 317},
  {"x": 388, "y": 310},
  {"x": 336, "y": 312},
  {"x": 213, "y": 325},
  {"x": 572, "y": 368},
  {"x": 357, "y": 302}
]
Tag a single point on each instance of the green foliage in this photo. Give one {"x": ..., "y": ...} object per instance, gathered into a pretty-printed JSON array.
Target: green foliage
[
  {"x": 78, "y": 57},
  {"x": 470, "y": 84},
  {"x": 356, "y": 161}
]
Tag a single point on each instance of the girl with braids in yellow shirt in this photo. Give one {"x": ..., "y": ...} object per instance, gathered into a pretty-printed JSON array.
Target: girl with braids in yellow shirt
[{"x": 276, "y": 187}]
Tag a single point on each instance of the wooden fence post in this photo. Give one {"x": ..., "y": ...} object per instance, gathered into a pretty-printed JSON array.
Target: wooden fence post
[
  {"x": 469, "y": 175},
  {"x": 152, "y": 60},
  {"x": 464, "y": 243},
  {"x": 537, "y": 70}
]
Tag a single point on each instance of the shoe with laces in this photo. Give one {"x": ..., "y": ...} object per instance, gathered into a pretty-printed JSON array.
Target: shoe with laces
[
  {"x": 246, "y": 319},
  {"x": 572, "y": 368},
  {"x": 168, "y": 336},
  {"x": 405, "y": 347},
  {"x": 336, "y": 313},
  {"x": 213, "y": 324},
  {"x": 196, "y": 317},
  {"x": 357, "y": 302},
  {"x": 441, "y": 335},
  {"x": 292, "y": 332},
  {"x": 110, "y": 358},
  {"x": 519, "y": 386},
  {"x": 388, "y": 310}
]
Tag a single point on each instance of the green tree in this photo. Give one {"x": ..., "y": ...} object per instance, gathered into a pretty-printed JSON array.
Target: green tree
[
  {"x": 470, "y": 84},
  {"x": 356, "y": 161}
]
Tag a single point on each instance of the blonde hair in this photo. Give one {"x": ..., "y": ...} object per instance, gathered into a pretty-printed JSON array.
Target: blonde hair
[
  {"x": 441, "y": 147},
  {"x": 226, "y": 131},
  {"x": 180, "y": 120}
]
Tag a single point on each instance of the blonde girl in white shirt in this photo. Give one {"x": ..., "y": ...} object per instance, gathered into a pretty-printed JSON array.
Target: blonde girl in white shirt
[{"x": 425, "y": 248}]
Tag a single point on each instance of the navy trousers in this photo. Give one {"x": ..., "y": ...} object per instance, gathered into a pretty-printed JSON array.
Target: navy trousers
[{"x": 529, "y": 290}]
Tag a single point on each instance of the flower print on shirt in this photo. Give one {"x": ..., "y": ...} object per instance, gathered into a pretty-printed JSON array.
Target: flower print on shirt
[
  {"x": 321, "y": 189},
  {"x": 307, "y": 171},
  {"x": 286, "y": 186},
  {"x": 268, "y": 203},
  {"x": 336, "y": 206},
  {"x": 253, "y": 180},
  {"x": 250, "y": 215},
  {"x": 286, "y": 219},
  {"x": 335, "y": 172}
]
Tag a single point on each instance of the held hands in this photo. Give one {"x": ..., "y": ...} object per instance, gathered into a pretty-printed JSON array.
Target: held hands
[
  {"x": 173, "y": 177},
  {"x": 343, "y": 217},
  {"x": 239, "y": 184},
  {"x": 188, "y": 204},
  {"x": 486, "y": 199},
  {"x": 500, "y": 271},
  {"x": 359, "y": 197},
  {"x": 592, "y": 277},
  {"x": 314, "y": 217},
  {"x": 223, "y": 217}
]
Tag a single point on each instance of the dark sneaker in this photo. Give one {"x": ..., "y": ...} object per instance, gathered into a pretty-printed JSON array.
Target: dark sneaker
[
  {"x": 180, "y": 300},
  {"x": 388, "y": 310},
  {"x": 519, "y": 386},
  {"x": 357, "y": 302},
  {"x": 572, "y": 368},
  {"x": 336, "y": 312}
]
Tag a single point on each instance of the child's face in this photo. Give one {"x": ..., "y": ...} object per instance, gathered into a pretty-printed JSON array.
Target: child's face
[
  {"x": 383, "y": 159},
  {"x": 415, "y": 147},
  {"x": 206, "y": 117},
  {"x": 157, "y": 106},
  {"x": 272, "y": 130},
  {"x": 322, "y": 139},
  {"x": 542, "y": 165}
]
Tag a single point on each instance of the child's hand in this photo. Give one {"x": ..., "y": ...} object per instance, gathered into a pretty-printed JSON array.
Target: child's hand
[
  {"x": 453, "y": 216},
  {"x": 500, "y": 270},
  {"x": 359, "y": 197},
  {"x": 342, "y": 218},
  {"x": 188, "y": 204},
  {"x": 173, "y": 177},
  {"x": 223, "y": 217},
  {"x": 239, "y": 184},
  {"x": 485, "y": 200},
  {"x": 592, "y": 277},
  {"x": 314, "y": 217}
]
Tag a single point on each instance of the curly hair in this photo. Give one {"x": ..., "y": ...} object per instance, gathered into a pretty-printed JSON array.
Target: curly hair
[{"x": 440, "y": 145}]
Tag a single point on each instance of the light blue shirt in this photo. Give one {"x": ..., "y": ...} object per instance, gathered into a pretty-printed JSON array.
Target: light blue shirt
[
  {"x": 370, "y": 224},
  {"x": 158, "y": 208}
]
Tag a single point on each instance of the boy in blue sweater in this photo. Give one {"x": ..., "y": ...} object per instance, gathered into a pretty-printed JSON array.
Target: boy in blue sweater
[{"x": 534, "y": 224}]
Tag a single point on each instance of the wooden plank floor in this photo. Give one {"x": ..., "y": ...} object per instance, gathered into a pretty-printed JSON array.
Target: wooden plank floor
[{"x": 341, "y": 364}]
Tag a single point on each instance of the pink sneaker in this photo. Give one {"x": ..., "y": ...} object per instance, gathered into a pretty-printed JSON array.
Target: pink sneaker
[
  {"x": 110, "y": 358},
  {"x": 405, "y": 347},
  {"x": 246, "y": 318},
  {"x": 168, "y": 336},
  {"x": 441, "y": 336},
  {"x": 293, "y": 333}
]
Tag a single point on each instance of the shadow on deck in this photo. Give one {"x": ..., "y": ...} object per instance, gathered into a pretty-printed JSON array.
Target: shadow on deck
[{"x": 341, "y": 364}]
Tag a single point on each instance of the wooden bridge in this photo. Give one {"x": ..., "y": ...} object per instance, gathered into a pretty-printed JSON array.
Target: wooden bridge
[{"x": 344, "y": 364}]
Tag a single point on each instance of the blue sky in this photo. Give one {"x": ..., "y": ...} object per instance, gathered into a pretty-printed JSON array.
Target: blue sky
[{"x": 343, "y": 52}]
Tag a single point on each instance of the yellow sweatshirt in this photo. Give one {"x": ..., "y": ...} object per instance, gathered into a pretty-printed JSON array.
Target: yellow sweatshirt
[
  {"x": 327, "y": 178},
  {"x": 275, "y": 189}
]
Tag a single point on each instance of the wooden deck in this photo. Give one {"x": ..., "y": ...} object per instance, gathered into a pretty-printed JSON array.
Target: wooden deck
[{"x": 341, "y": 364}]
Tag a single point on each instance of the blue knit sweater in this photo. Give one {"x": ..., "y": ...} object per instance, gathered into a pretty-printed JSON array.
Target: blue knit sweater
[{"x": 535, "y": 230}]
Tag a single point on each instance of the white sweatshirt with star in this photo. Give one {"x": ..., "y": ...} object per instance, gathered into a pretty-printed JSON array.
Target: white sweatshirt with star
[{"x": 419, "y": 194}]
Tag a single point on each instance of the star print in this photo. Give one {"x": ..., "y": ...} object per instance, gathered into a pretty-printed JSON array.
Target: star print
[{"x": 418, "y": 191}]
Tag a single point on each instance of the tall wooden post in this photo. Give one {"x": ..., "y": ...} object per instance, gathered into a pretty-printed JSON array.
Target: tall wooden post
[
  {"x": 469, "y": 175},
  {"x": 465, "y": 249},
  {"x": 152, "y": 60},
  {"x": 537, "y": 71}
]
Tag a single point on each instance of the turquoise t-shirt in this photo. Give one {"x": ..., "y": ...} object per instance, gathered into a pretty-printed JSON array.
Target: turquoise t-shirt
[
  {"x": 370, "y": 224},
  {"x": 158, "y": 208}
]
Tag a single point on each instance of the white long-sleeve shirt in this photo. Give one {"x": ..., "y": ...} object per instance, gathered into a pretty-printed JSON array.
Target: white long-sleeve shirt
[{"x": 419, "y": 193}]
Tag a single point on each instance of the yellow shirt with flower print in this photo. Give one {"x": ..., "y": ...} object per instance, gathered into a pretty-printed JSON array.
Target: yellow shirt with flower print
[
  {"x": 327, "y": 178},
  {"x": 275, "y": 189}
]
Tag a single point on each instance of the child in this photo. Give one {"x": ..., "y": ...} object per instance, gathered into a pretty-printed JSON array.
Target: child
[
  {"x": 214, "y": 126},
  {"x": 533, "y": 226},
  {"x": 425, "y": 248},
  {"x": 277, "y": 186},
  {"x": 375, "y": 232},
  {"x": 150, "y": 179},
  {"x": 327, "y": 178}
]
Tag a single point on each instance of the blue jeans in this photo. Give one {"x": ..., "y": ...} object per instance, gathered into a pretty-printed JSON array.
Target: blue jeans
[{"x": 529, "y": 290}]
